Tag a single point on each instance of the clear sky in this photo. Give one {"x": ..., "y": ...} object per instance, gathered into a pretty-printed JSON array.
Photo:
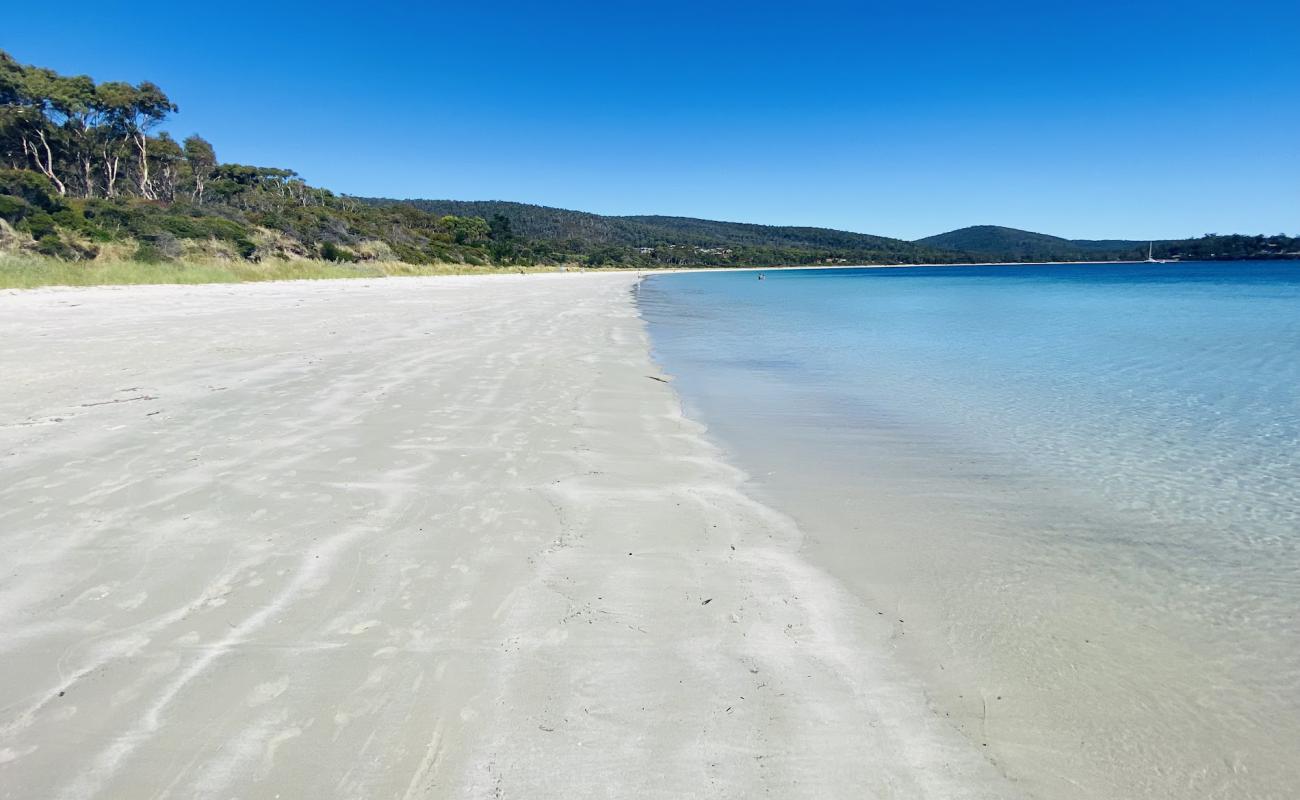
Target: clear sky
[{"x": 1082, "y": 119}]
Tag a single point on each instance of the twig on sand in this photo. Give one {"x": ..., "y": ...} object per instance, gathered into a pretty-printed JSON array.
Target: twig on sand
[{"x": 120, "y": 400}]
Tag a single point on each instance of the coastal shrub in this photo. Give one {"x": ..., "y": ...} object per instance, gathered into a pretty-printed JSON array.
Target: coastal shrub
[
  {"x": 39, "y": 225},
  {"x": 332, "y": 252},
  {"x": 220, "y": 228},
  {"x": 605, "y": 255},
  {"x": 13, "y": 208},
  {"x": 70, "y": 218},
  {"x": 50, "y": 246},
  {"x": 374, "y": 250},
  {"x": 148, "y": 253},
  {"x": 411, "y": 255},
  {"x": 184, "y": 227},
  {"x": 96, "y": 233},
  {"x": 189, "y": 227},
  {"x": 169, "y": 246},
  {"x": 118, "y": 218},
  {"x": 33, "y": 187},
  {"x": 55, "y": 247}
]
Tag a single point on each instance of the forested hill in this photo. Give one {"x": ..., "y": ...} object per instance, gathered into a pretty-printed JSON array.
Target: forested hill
[
  {"x": 996, "y": 243},
  {"x": 682, "y": 240},
  {"x": 1012, "y": 244},
  {"x": 543, "y": 222},
  {"x": 741, "y": 233},
  {"x": 532, "y": 221}
]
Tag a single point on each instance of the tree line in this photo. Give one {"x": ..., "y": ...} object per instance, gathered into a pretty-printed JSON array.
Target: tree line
[
  {"x": 95, "y": 139},
  {"x": 84, "y": 163}
]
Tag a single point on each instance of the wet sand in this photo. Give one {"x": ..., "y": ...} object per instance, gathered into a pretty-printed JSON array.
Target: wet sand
[
  {"x": 429, "y": 537},
  {"x": 1068, "y": 492}
]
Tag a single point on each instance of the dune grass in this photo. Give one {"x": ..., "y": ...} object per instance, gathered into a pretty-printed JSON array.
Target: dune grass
[{"x": 30, "y": 272}]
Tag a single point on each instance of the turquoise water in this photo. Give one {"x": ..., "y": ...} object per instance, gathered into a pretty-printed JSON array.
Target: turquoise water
[{"x": 1083, "y": 483}]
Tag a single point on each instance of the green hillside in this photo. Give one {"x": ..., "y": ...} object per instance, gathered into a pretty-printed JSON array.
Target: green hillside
[
  {"x": 996, "y": 243},
  {"x": 662, "y": 240},
  {"x": 1011, "y": 244}
]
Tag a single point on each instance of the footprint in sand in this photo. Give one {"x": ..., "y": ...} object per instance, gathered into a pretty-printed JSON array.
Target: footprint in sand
[{"x": 266, "y": 692}]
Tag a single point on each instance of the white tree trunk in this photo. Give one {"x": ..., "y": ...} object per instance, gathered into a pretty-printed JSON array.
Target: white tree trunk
[
  {"x": 46, "y": 164},
  {"x": 111, "y": 164},
  {"x": 146, "y": 186},
  {"x": 88, "y": 175}
]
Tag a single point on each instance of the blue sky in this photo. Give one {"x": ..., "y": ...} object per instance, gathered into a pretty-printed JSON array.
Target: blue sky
[{"x": 1093, "y": 120}]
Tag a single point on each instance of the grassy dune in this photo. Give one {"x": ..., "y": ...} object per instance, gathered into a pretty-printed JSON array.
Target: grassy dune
[{"x": 29, "y": 272}]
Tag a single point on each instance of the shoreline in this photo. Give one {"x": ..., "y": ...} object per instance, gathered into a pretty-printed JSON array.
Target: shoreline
[
  {"x": 329, "y": 272},
  {"x": 674, "y": 270},
  {"x": 435, "y": 537}
]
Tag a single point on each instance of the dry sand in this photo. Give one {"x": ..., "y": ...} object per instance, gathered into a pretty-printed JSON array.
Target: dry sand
[{"x": 411, "y": 538}]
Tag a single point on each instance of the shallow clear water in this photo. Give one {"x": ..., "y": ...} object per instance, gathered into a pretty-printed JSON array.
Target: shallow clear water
[{"x": 1081, "y": 483}]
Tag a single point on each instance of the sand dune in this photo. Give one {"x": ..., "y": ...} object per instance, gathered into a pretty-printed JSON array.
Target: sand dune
[{"x": 413, "y": 538}]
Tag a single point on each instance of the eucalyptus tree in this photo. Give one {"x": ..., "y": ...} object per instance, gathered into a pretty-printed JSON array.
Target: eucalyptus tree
[
  {"x": 29, "y": 106},
  {"x": 168, "y": 161},
  {"x": 465, "y": 230},
  {"x": 114, "y": 100},
  {"x": 149, "y": 106},
  {"x": 129, "y": 113},
  {"x": 202, "y": 161},
  {"x": 12, "y": 109},
  {"x": 69, "y": 107},
  {"x": 52, "y": 119}
]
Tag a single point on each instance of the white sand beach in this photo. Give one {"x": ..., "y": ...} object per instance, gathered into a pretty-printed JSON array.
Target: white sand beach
[{"x": 428, "y": 537}]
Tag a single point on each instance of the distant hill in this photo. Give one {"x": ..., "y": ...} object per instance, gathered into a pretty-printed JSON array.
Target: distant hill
[
  {"x": 1011, "y": 244},
  {"x": 633, "y": 241},
  {"x": 995, "y": 243},
  {"x": 994, "y": 238},
  {"x": 683, "y": 240}
]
